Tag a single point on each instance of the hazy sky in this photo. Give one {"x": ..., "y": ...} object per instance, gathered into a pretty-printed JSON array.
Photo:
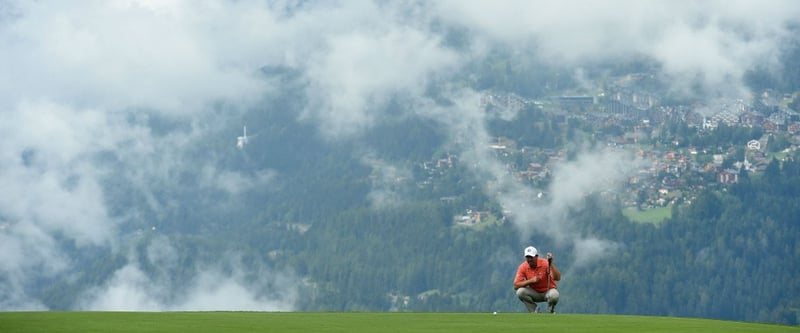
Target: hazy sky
[{"x": 76, "y": 73}]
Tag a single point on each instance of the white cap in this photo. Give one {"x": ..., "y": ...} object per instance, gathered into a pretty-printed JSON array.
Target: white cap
[{"x": 531, "y": 251}]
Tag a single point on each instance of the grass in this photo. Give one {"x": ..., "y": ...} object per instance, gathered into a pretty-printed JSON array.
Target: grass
[
  {"x": 653, "y": 215},
  {"x": 360, "y": 322}
]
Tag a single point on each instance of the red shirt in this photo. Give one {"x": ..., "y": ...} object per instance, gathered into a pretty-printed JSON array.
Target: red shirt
[{"x": 525, "y": 272}]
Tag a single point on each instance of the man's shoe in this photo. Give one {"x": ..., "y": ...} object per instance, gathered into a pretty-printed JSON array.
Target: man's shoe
[{"x": 551, "y": 308}]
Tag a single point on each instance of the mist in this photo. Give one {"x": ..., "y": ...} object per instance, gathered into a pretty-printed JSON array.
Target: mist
[
  {"x": 225, "y": 285},
  {"x": 84, "y": 82}
]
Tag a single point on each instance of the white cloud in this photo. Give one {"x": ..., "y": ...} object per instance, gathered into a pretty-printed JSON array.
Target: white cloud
[
  {"x": 48, "y": 178},
  {"x": 103, "y": 55},
  {"x": 715, "y": 41},
  {"x": 25, "y": 250},
  {"x": 593, "y": 171},
  {"x": 216, "y": 291},
  {"x": 387, "y": 180},
  {"x": 588, "y": 250},
  {"x": 130, "y": 289},
  {"x": 224, "y": 286},
  {"x": 362, "y": 69},
  {"x": 235, "y": 182}
]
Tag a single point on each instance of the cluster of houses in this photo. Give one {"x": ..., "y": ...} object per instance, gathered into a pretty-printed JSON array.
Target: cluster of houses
[{"x": 667, "y": 178}]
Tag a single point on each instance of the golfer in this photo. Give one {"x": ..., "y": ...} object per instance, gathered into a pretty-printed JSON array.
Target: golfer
[{"x": 536, "y": 281}]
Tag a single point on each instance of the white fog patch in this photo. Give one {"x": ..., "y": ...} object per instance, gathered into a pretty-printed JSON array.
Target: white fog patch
[
  {"x": 387, "y": 182},
  {"x": 588, "y": 250},
  {"x": 100, "y": 54},
  {"x": 216, "y": 291},
  {"x": 161, "y": 254},
  {"x": 361, "y": 70},
  {"x": 47, "y": 179},
  {"x": 725, "y": 37},
  {"x": 593, "y": 171},
  {"x": 210, "y": 288},
  {"x": 236, "y": 182},
  {"x": 25, "y": 250},
  {"x": 130, "y": 289}
]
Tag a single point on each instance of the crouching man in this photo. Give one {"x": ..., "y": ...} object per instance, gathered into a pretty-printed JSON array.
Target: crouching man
[{"x": 536, "y": 281}]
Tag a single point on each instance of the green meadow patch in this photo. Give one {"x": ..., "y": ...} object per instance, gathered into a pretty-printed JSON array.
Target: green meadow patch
[
  {"x": 652, "y": 215},
  {"x": 356, "y": 322}
]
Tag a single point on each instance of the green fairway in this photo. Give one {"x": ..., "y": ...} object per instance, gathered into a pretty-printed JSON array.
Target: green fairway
[{"x": 355, "y": 322}]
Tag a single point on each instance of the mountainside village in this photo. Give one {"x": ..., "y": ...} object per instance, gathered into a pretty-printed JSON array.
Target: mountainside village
[{"x": 676, "y": 170}]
